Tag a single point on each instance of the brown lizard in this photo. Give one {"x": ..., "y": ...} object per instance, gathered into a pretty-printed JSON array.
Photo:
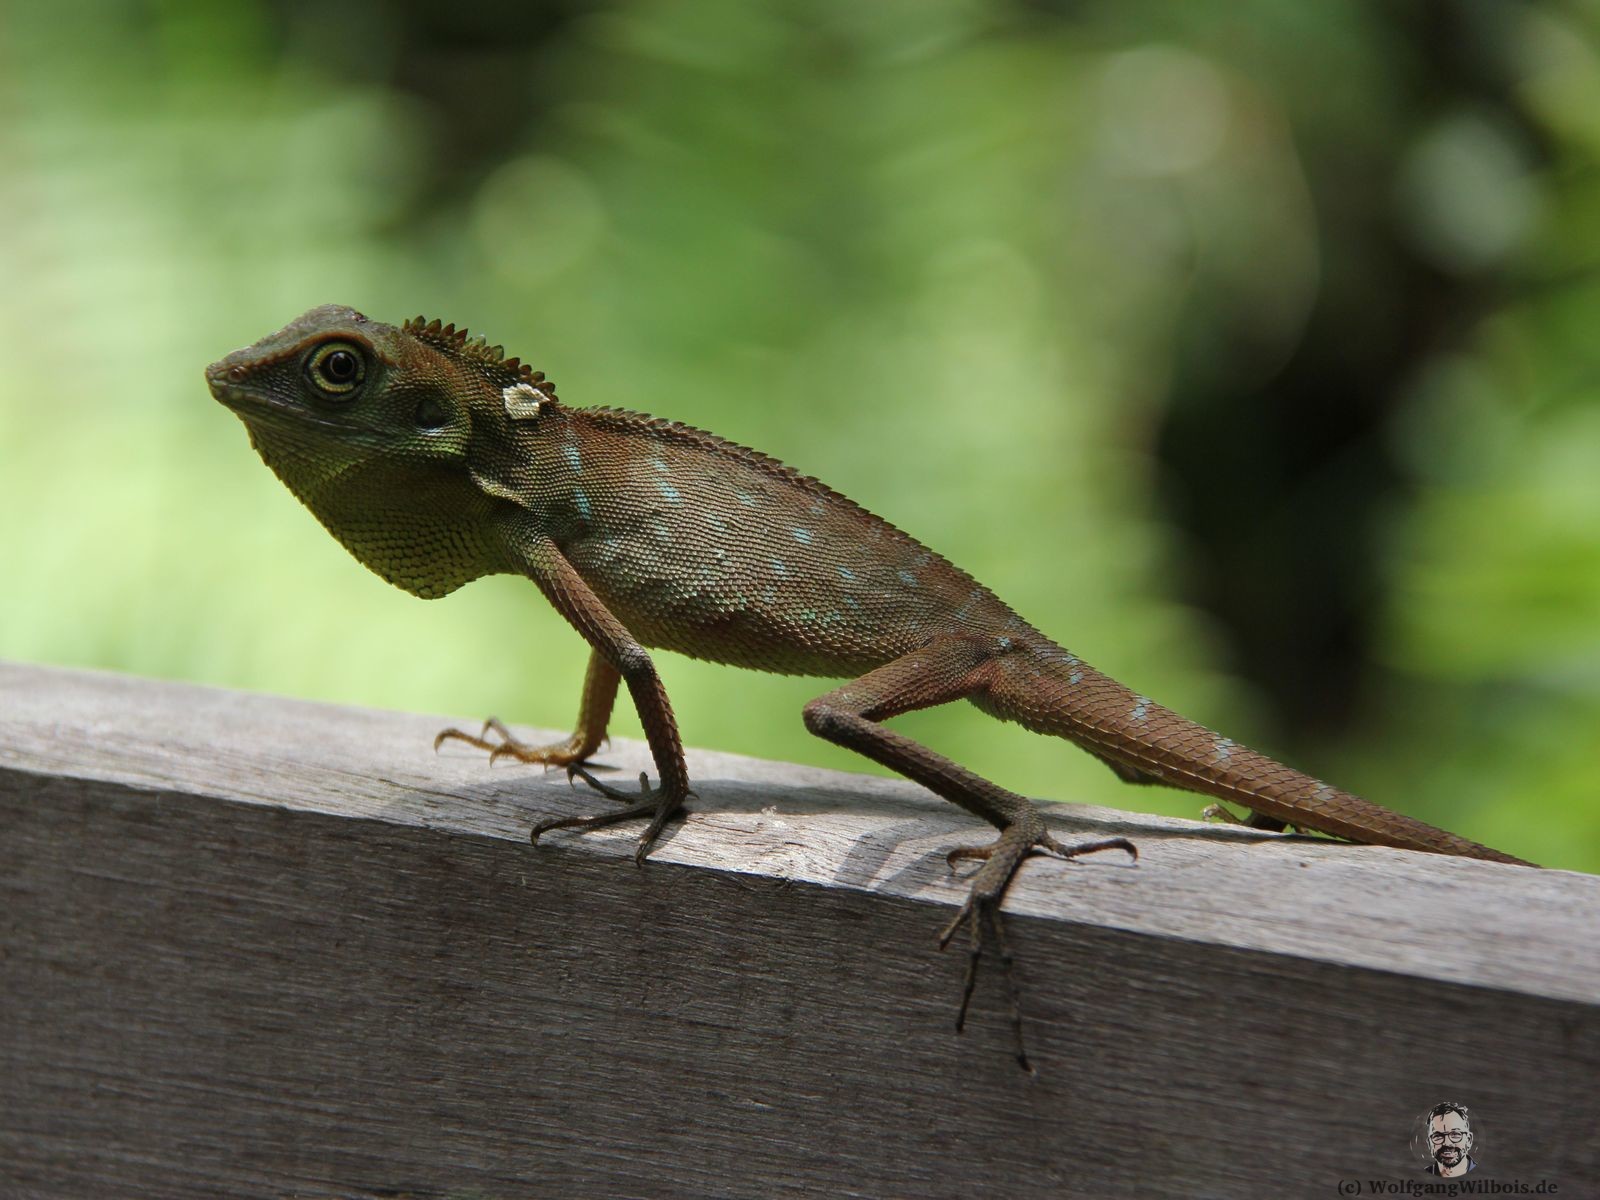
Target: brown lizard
[{"x": 435, "y": 460}]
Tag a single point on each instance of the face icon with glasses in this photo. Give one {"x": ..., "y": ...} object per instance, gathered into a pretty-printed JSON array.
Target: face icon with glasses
[{"x": 1449, "y": 1140}]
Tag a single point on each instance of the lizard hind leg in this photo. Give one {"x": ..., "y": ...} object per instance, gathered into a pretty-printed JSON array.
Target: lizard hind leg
[{"x": 947, "y": 669}]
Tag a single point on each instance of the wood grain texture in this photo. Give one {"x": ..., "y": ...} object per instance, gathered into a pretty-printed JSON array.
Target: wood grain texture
[{"x": 262, "y": 948}]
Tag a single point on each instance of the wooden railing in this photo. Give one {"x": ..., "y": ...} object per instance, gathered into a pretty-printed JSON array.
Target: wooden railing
[{"x": 259, "y": 947}]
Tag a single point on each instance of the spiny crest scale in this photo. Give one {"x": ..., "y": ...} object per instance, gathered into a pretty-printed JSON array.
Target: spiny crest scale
[{"x": 459, "y": 344}]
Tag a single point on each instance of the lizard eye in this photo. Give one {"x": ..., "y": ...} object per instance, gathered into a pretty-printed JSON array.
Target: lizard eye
[{"x": 336, "y": 369}]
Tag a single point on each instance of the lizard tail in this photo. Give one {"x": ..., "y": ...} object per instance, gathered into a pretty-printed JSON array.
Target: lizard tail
[{"x": 1054, "y": 693}]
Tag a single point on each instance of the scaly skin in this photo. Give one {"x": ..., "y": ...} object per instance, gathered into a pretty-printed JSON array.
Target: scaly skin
[{"x": 435, "y": 460}]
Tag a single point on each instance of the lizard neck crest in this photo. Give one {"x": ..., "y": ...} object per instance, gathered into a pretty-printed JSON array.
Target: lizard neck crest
[{"x": 458, "y": 344}]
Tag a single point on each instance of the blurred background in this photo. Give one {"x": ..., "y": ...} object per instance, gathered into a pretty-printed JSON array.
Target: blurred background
[{"x": 1248, "y": 349}]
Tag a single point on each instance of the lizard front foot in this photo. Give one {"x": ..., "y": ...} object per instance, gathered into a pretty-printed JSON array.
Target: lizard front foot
[
  {"x": 1002, "y": 857},
  {"x": 660, "y": 804},
  {"x": 556, "y": 754}
]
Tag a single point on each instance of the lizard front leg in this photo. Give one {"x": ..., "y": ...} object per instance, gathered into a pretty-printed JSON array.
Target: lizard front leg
[
  {"x": 594, "y": 714},
  {"x": 949, "y": 669},
  {"x": 575, "y": 600}
]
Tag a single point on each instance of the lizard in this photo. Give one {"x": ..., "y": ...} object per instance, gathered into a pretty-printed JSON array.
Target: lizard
[{"x": 435, "y": 459}]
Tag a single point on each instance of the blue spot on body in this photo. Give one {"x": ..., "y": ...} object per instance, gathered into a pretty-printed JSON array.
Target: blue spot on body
[
  {"x": 1224, "y": 749},
  {"x": 808, "y": 615},
  {"x": 852, "y": 602},
  {"x": 746, "y": 499},
  {"x": 660, "y": 465},
  {"x": 1004, "y": 643},
  {"x": 803, "y": 536},
  {"x": 570, "y": 453},
  {"x": 907, "y": 578},
  {"x": 1323, "y": 793},
  {"x": 778, "y": 567},
  {"x": 580, "y": 501},
  {"x": 1075, "y": 678},
  {"x": 1141, "y": 710},
  {"x": 667, "y": 490},
  {"x": 845, "y": 573}
]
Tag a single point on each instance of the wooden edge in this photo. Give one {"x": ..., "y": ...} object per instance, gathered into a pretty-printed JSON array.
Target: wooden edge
[{"x": 1511, "y": 928}]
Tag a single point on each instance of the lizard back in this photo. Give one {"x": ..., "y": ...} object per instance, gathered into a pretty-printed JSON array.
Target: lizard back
[{"x": 709, "y": 548}]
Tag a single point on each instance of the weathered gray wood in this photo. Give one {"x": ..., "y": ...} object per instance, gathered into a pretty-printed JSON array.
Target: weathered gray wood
[{"x": 257, "y": 947}]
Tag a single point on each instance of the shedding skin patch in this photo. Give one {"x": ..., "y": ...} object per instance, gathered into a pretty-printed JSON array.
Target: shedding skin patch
[
  {"x": 523, "y": 401},
  {"x": 1075, "y": 678}
]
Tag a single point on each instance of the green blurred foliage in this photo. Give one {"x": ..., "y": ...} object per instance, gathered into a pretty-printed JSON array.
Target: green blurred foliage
[{"x": 942, "y": 254}]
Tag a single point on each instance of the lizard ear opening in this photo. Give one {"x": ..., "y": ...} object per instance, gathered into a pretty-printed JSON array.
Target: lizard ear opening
[{"x": 430, "y": 414}]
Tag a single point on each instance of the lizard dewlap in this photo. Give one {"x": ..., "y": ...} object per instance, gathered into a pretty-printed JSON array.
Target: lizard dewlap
[{"x": 435, "y": 459}]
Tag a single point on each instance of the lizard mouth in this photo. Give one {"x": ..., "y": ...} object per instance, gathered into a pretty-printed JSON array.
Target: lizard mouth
[
  {"x": 227, "y": 383},
  {"x": 251, "y": 406}
]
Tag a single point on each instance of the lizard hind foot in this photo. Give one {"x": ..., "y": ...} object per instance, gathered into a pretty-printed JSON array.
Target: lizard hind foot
[
  {"x": 1251, "y": 819},
  {"x": 981, "y": 911}
]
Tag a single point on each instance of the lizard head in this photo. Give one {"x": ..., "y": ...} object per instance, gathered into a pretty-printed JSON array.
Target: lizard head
[
  {"x": 343, "y": 389},
  {"x": 371, "y": 426}
]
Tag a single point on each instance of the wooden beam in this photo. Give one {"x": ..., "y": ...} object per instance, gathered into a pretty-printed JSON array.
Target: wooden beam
[{"x": 259, "y": 947}]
